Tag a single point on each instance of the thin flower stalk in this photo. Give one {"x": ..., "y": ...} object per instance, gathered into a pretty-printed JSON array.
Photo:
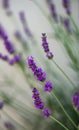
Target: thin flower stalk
[
  {"x": 53, "y": 94},
  {"x": 53, "y": 118}
]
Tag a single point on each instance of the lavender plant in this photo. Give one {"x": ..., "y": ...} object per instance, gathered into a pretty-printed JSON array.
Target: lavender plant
[{"x": 48, "y": 99}]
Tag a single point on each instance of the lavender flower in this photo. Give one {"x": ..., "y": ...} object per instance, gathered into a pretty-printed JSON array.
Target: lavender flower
[
  {"x": 66, "y": 4},
  {"x": 48, "y": 86},
  {"x": 15, "y": 59},
  {"x": 11, "y": 61},
  {"x": 40, "y": 75},
  {"x": 49, "y": 54},
  {"x": 4, "y": 57},
  {"x": 9, "y": 46},
  {"x": 1, "y": 105},
  {"x": 31, "y": 63},
  {"x": 38, "y": 72},
  {"x": 37, "y": 100},
  {"x": 75, "y": 100},
  {"x": 3, "y": 34},
  {"x": 53, "y": 10},
  {"x": 9, "y": 125},
  {"x": 7, "y": 43},
  {"x": 5, "y": 4},
  {"x": 45, "y": 43},
  {"x": 46, "y": 113},
  {"x": 25, "y": 25},
  {"x": 66, "y": 23}
]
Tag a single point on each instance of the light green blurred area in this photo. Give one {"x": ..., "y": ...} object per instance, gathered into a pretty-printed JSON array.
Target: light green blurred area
[{"x": 16, "y": 87}]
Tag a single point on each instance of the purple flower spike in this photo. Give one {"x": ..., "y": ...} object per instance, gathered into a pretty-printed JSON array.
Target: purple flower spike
[
  {"x": 17, "y": 58},
  {"x": 46, "y": 113},
  {"x": 66, "y": 23},
  {"x": 65, "y": 3},
  {"x": 49, "y": 54},
  {"x": 38, "y": 72},
  {"x": 68, "y": 11},
  {"x": 40, "y": 75},
  {"x": 48, "y": 87},
  {"x": 1, "y": 105},
  {"x": 24, "y": 23},
  {"x": 5, "y": 4},
  {"x": 5, "y": 58},
  {"x": 75, "y": 100},
  {"x": 37, "y": 100},
  {"x": 3, "y": 34},
  {"x": 9, "y": 125},
  {"x": 44, "y": 42},
  {"x": 31, "y": 63},
  {"x": 12, "y": 61},
  {"x": 53, "y": 10},
  {"x": 9, "y": 46}
]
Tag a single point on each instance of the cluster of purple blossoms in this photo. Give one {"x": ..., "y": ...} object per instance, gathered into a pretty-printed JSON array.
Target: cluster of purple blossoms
[
  {"x": 46, "y": 47},
  {"x": 66, "y": 23},
  {"x": 9, "y": 125},
  {"x": 38, "y": 72},
  {"x": 39, "y": 104},
  {"x": 48, "y": 86},
  {"x": 25, "y": 25},
  {"x": 1, "y": 104},
  {"x": 75, "y": 100},
  {"x": 37, "y": 100},
  {"x": 66, "y": 4},
  {"x": 6, "y": 6},
  {"x": 12, "y": 61},
  {"x": 15, "y": 59},
  {"x": 8, "y": 45},
  {"x": 53, "y": 10},
  {"x": 41, "y": 76}
]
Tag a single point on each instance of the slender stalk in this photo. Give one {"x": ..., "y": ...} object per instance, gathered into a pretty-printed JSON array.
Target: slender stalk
[
  {"x": 71, "y": 18},
  {"x": 59, "y": 123},
  {"x": 63, "y": 73},
  {"x": 64, "y": 110}
]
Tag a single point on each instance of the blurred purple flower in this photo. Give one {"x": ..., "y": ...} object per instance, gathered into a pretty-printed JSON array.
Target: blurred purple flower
[
  {"x": 15, "y": 59},
  {"x": 49, "y": 54},
  {"x": 46, "y": 113},
  {"x": 24, "y": 23},
  {"x": 1, "y": 105},
  {"x": 66, "y": 5},
  {"x": 75, "y": 100},
  {"x": 9, "y": 46},
  {"x": 7, "y": 43},
  {"x": 67, "y": 25},
  {"x": 48, "y": 86},
  {"x": 53, "y": 10},
  {"x": 5, "y": 4},
  {"x": 9, "y": 125}
]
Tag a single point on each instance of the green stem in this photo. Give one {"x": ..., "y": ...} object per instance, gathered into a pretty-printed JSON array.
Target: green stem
[
  {"x": 64, "y": 73},
  {"x": 64, "y": 110},
  {"x": 59, "y": 122},
  {"x": 71, "y": 18}
]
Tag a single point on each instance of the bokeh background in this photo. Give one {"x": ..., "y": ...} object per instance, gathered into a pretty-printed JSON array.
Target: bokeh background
[{"x": 16, "y": 84}]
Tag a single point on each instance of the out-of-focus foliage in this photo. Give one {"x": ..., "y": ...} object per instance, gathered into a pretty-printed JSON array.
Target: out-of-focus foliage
[{"x": 16, "y": 85}]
